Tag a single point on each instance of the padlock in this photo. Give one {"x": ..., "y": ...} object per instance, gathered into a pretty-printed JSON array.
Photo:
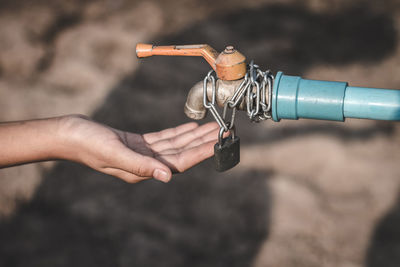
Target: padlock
[{"x": 227, "y": 152}]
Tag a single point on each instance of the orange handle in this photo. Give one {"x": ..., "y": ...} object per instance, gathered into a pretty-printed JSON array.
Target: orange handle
[
  {"x": 229, "y": 64},
  {"x": 200, "y": 50}
]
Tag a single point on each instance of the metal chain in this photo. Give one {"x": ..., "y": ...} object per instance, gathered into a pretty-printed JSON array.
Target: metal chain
[
  {"x": 259, "y": 93},
  {"x": 256, "y": 87},
  {"x": 210, "y": 105}
]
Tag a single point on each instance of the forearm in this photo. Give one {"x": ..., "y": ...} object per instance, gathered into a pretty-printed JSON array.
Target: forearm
[
  {"x": 129, "y": 156},
  {"x": 29, "y": 141}
]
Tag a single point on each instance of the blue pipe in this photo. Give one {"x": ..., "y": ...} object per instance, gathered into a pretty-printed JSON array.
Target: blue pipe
[{"x": 294, "y": 97}]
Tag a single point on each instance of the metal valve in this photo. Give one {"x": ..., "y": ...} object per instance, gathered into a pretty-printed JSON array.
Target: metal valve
[
  {"x": 265, "y": 96},
  {"x": 229, "y": 65}
]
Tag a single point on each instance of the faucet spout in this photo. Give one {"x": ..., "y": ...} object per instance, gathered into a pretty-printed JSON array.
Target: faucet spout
[{"x": 224, "y": 90}]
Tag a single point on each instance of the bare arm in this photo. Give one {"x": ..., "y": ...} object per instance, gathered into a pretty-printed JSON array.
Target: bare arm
[
  {"x": 29, "y": 141},
  {"x": 129, "y": 156}
]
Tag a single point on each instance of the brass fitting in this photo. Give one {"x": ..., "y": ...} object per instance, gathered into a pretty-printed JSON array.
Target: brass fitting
[{"x": 194, "y": 107}]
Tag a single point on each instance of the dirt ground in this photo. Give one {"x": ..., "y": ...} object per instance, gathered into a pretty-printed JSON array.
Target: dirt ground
[{"x": 306, "y": 193}]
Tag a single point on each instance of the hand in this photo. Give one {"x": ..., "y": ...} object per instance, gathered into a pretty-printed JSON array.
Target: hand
[{"x": 134, "y": 157}]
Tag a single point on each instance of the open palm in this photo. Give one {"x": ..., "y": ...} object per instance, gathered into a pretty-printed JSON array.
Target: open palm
[{"x": 134, "y": 157}]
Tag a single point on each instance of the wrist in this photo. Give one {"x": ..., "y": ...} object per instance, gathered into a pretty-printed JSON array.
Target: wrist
[{"x": 68, "y": 137}]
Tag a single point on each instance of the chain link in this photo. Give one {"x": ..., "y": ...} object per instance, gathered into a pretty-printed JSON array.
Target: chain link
[
  {"x": 210, "y": 105},
  {"x": 256, "y": 87},
  {"x": 259, "y": 93}
]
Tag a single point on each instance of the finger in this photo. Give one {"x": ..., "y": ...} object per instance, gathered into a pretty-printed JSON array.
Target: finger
[
  {"x": 142, "y": 166},
  {"x": 195, "y": 135},
  {"x": 124, "y": 175},
  {"x": 151, "y": 138},
  {"x": 210, "y": 136},
  {"x": 190, "y": 157}
]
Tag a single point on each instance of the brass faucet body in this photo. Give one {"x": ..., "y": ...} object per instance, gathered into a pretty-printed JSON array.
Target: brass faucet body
[
  {"x": 224, "y": 90},
  {"x": 229, "y": 65}
]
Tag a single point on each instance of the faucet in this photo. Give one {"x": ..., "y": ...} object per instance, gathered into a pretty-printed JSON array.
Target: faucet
[
  {"x": 292, "y": 97},
  {"x": 229, "y": 65}
]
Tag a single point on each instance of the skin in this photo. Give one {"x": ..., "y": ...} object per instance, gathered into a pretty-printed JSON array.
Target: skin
[{"x": 128, "y": 156}]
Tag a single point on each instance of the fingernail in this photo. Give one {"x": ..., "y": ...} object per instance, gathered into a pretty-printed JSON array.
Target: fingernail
[{"x": 161, "y": 175}]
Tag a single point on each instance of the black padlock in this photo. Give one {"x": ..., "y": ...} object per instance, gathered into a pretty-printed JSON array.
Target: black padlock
[{"x": 227, "y": 153}]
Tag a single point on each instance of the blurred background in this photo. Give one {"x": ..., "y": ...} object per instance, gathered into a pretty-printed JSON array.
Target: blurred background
[{"x": 306, "y": 193}]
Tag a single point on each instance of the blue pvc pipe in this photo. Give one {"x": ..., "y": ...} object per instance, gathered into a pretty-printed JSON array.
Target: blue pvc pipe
[
  {"x": 372, "y": 103},
  {"x": 294, "y": 97}
]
